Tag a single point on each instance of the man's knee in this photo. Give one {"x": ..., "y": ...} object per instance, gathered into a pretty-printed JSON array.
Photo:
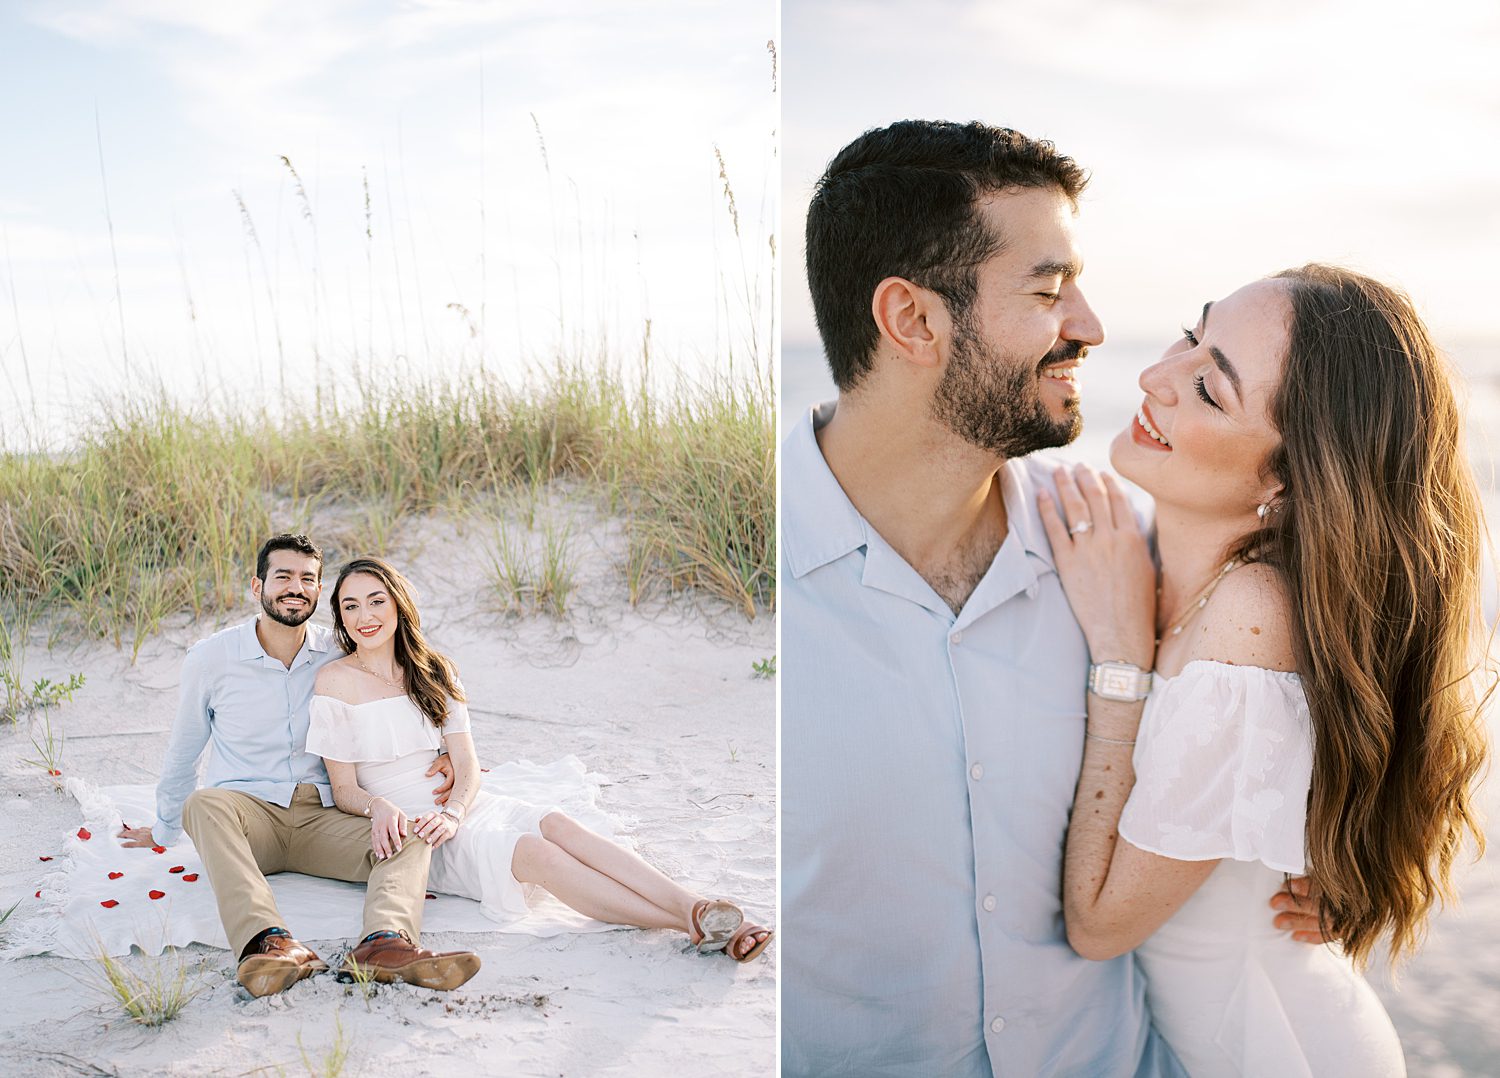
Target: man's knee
[{"x": 413, "y": 848}]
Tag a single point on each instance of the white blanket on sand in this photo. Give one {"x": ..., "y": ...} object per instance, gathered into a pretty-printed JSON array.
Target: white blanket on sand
[{"x": 95, "y": 895}]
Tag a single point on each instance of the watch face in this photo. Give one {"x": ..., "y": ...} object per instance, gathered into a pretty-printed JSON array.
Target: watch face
[{"x": 1116, "y": 682}]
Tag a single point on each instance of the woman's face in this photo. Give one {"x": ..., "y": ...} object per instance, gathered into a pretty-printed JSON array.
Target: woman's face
[
  {"x": 367, "y": 610},
  {"x": 1202, "y": 435}
]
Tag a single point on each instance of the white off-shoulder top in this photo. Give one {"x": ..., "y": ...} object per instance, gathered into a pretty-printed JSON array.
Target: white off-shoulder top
[
  {"x": 390, "y": 741},
  {"x": 1223, "y": 765}
]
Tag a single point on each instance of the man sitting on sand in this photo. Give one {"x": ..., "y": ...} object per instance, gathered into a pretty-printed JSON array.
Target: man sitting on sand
[{"x": 266, "y": 804}]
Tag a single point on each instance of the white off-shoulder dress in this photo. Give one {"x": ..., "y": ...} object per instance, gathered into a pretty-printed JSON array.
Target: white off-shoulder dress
[
  {"x": 392, "y": 744},
  {"x": 1223, "y": 765}
]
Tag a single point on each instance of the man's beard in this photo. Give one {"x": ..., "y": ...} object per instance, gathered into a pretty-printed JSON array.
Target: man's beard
[
  {"x": 294, "y": 619},
  {"x": 997, "y": 405}
]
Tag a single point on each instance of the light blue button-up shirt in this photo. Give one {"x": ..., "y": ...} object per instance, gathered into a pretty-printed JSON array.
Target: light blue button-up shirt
[
  {"x": 928, "y": 763},
  {"x": 253, "y": 711}
]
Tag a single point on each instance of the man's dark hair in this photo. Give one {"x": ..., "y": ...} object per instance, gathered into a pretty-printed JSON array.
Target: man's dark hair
[
  {"x": 300, "y": 543},
  {"x": 901, "y": 201}
]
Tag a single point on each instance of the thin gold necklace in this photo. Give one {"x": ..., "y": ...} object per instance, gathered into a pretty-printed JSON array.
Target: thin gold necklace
[
  {"x": 1197, "y": 603},
  {"x": 373, "y": 674}
]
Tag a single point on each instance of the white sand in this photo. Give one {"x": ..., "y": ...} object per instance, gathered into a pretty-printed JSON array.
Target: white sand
[{"x": 663, "y": 700}]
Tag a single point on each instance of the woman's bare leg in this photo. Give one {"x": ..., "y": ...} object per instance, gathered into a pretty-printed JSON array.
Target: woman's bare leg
[
  {"x": 630, "y": 871},
  {"x": 622, "y": 866},
  {"x": 590, "y": 892}
]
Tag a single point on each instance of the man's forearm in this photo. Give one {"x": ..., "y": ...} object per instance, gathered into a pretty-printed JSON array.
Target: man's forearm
[{"x": 179, "y": 772}]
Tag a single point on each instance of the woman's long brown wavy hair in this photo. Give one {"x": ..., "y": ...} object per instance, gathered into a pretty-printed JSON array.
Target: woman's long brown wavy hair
[
  {"x": 1378, "y": 535},
  {"x": 431, "y": 680}
]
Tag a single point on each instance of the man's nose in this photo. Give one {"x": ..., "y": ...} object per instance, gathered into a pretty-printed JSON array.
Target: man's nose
[{"x": 1083, "y": 324}]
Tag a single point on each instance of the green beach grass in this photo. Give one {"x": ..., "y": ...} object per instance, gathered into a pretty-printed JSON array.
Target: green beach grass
[{"x": 158, "y": 505}]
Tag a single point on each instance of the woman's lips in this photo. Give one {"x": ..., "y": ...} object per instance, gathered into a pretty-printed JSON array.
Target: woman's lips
[
  {"x": 1141, "y": 436},
  {"x": 371, "y": 631}
]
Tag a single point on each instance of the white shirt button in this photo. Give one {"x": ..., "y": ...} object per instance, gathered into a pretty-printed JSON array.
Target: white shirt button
[
  {"x": 956, "y": 638},
  {"x": 990, "y": 903},
  {"x": 997, "y": 1025},
  {"x": 976, "y": 772}
]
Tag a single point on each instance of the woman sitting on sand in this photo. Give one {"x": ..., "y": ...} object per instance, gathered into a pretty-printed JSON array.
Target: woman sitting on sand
[
  {"x": 378, "y": 717},
  {"x": 1312, "y": 707}
]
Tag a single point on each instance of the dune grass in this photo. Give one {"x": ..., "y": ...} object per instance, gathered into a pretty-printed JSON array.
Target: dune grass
[
  {"x": 159, "y": 506},
  {"x": 151, "y": 996}
]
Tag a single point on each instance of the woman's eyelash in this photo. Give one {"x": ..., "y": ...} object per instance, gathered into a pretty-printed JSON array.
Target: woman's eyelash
[
  {"x": 1203, "y": 393},
  {"x": 1192, "y": 338}
]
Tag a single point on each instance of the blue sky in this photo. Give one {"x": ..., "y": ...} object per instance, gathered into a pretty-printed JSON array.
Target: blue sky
[
  {"x": 1226, "y": 140},
  {"x": 471, "y": 225}
]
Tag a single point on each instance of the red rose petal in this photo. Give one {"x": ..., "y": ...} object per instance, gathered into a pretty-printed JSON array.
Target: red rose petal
[
  {"x": 84, "y": 834},
  {"x": 154, "y": 895},
  {"x": 158, "y": 849},
  {"x": 54, "y": 772},
  {"x": 109, "y": 903},
  {"x": 191, "y": 877},
  {"x": 116, "y": 875},
  {"x": 39, "y": 894},
  {"x": 432, "y": 896},
  {"x": 44, "y": 858},
  {"x": 485, "y": 770},
  {"x": 175, "y": 869}
]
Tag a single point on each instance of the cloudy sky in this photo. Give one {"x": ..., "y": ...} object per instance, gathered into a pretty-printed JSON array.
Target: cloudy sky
[
  {"x": 1226, "y": 140},
  {"x": 538, "y": 176}
]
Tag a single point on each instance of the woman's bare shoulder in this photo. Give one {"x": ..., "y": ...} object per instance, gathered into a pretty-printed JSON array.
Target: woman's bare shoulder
[
  {"x": 336, "y": 679},
  {"x": 1247, "y": 622}
]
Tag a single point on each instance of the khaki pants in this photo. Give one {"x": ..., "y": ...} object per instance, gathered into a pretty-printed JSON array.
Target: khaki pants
[{"x": 243, "y": 839}]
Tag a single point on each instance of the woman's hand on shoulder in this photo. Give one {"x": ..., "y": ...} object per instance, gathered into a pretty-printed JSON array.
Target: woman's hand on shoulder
[{"x": 1104, "y": 563}]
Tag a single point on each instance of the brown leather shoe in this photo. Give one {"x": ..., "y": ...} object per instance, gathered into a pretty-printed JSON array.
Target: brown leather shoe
[
  {"x": 395, "y": 958},
  {"x": 278, "y": 963}
]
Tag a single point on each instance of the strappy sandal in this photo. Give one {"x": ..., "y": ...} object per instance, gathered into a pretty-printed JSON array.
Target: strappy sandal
[
  {"x": 714, "y": 923},
  {"x": 754, "y": 952}
]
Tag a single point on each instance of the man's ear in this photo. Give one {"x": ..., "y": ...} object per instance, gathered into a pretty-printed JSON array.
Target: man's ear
[
  {"x": 913, "y": 320},
  {"x": 256, "y": 586}
]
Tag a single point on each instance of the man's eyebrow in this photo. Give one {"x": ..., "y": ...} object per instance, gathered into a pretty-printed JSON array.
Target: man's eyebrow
[
  {"x": 1066, "y": 270},
  {"x": 1220, "y": 359}
]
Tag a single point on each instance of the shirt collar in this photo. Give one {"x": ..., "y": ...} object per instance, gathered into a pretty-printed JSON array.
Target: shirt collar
[
  {"x": 250, "y": 647},
  {"x": 818, "y": 522},
  {"x": 1018, "y": 489}
]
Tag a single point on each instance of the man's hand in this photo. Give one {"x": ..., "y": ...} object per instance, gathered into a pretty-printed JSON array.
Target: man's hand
[
  {"x": 135, "y": 838},
  {"x": 442, "y": 766},
  {"x": 1298, "y": 911}
]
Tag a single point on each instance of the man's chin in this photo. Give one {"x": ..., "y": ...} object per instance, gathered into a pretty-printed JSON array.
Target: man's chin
[{"x": 290, "y": 618}]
